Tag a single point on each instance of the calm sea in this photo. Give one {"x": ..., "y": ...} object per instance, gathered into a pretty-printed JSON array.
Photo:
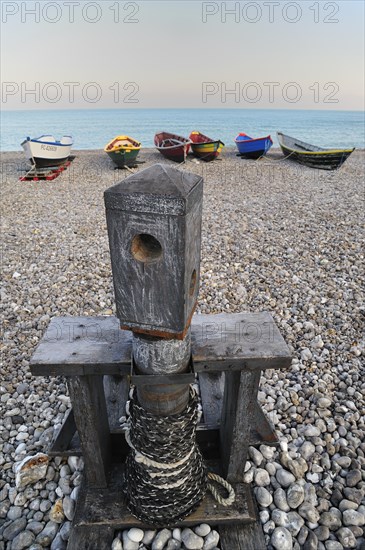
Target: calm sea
[{"x": 92, "y": 129}]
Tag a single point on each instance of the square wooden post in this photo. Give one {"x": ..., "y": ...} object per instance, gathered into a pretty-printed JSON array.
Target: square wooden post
[
  {"x": 91, "y": 419},
  {"x": 238, "y": 417}
]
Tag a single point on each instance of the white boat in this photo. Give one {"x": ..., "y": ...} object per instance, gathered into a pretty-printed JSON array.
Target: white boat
[{"x": 45, "y": 151}]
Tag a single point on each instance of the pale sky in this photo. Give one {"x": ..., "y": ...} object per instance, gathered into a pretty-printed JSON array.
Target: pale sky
[{"x": 117, "y": 54}]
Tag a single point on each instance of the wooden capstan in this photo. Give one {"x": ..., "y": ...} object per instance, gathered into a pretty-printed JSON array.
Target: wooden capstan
[{"x": 154, "y": 227}]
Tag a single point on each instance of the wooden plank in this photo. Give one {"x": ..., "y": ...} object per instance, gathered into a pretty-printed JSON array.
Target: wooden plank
[
  {"x": 76, "y": 346},
  {"x": 107, "y": 507},
  {"x": 249, "y": 536},
  {"x": 239, "y": 408},
  {"x": 65, "y": 434},
  {"x": 211, "y": 392},
  {"x": 88, "y": 402},
  {"x": 96, "y": 345},
  {"x": 116, "y": 389},
  {"x": 237, "y": 341},
  {"x": 262, "y": 431},
  {"x": 98, "y": 537}
]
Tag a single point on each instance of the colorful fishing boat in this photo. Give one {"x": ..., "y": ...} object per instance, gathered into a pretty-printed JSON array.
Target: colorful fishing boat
[
  {"x": 204, "y": 147},
  {"x": 45, "y": 151},
  {"x": 172, "y": 146},
  {"x": 312, "y": 155},
  {"x": 123, "y": 150},
  {"x": 252, "y": 148}
]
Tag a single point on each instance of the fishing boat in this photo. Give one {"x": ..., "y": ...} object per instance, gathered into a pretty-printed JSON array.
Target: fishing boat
[
  {"x": 252, "y": 148},
  {"x": 172, "y": 146},
  {"x": 312, "y": 155},
  {"x": 45, "y": 151},
  {"x": 123, "y": 150},
  {"x": 204, "y": 147}
]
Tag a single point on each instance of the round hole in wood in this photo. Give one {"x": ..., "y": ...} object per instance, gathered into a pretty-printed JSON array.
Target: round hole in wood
[
  {"x": 146, "y": 248},
  {"x": 192, "y": 283}
]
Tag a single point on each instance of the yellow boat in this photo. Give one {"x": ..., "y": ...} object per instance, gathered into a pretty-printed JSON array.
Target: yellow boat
[
  {"x": 204, "y": 147},
  {"x": 123, "y": 150}
]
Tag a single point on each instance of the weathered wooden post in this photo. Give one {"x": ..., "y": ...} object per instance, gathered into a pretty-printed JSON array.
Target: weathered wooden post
[
  {"x": 154, "y": 227},
  {"x": 154, "y": 224}
]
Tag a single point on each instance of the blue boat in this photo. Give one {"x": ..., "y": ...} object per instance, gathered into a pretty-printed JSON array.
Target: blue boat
[{"x": 251, "y": 148}]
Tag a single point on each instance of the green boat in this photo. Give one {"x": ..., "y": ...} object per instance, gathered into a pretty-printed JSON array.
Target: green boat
[{"x": 123, "y": 150}]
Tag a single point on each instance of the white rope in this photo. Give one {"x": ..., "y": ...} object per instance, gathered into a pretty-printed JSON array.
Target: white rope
[
  {"x": 223, "y": 501},
  {"x": 143, "y": 459}
]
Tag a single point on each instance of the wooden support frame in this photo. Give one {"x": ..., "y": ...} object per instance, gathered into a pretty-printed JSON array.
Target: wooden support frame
[{"x": 228, "y": 354}]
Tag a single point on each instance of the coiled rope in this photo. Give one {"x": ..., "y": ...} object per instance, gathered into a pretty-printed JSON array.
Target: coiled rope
[{"x": 165, "y": 477}]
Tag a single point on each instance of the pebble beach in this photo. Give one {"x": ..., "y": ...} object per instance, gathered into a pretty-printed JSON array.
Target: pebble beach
[{"x": 276, "y": 237}]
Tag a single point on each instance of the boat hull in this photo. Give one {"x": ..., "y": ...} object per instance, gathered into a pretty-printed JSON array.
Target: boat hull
[
  {"x": 123, "y": 158},
  {"x": 204, "y": 147},
  {"x": 46, "y": 154},
  {"x": 253, "y": 148},
  {"x": 172, "y": 146},
  {"x": 311, "y": 155}
]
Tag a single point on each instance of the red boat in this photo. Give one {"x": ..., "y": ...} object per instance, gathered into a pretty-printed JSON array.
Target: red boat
[{"x": 172, "y": 146}]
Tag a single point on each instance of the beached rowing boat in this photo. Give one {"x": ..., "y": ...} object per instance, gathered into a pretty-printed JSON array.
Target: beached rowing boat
[
  {"x": 312, "y": 155},
  {"x": 204, "y": 147},
  {"x": 172, "y": 146},
  {"x": 45, "y": 151},
  {"x": 252, "y": 148},
  {"x": 123, "y": 150}
]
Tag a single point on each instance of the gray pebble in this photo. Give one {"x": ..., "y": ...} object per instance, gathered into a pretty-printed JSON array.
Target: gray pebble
[
  {"x": 22, "y": 541},
  {"x": 295, "y": 495},
  {"x": 68, "y": 507},
  {"x": 284, "y": 477},
  {"x": 190, "y": 540},
  {"x": 35, "y": 526},
  {"x": 161, "y": 539},
  {"x": 280, "y": 500},
  {"x": 311, "y": 542},
  {"x": 263, "y": 497},
  {"x": 58, "y": 543},
  {"x": 262, "y": 478},
  {"x": 308, "y": 512},
  {"x": 352, "y": 517},
  {"x": 14, "y": 512},
  {"x": 117, "y": 544},
  {"x": 281, "y": 539},
  {"x": 15, "y": 527},
  {"x": 346, "y": 537},
  {"x": 46, "y": 536},
  {"x": 129, "y": 544},
  {"x": 202, "y": 530},
  {"x": 148, "y": 536},
  {"x": 211, "y": 540}
]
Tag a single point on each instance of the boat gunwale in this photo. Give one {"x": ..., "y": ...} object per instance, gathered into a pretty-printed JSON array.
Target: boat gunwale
[
  {"x": 323, "y": 152},
  {"x": 251, "y": 139},
  {"x": 124, "y": 148}
]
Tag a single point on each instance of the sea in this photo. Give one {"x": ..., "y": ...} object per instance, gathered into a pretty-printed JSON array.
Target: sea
[{"x": 92, "y": 129}]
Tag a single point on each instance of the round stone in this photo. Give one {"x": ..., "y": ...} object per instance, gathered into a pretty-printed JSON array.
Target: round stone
[
  {"x": 262, "y": 478},
  {"x": 191, "y": 540},
  {"x": 346, "y": 537},
  {"x": 295, "y": 495},
  {"x": 280, "y": 500},
  {"x": 202, "y": 530},
  {"x": 136, "y": 535},
  {"x": 263, "y": 497},
  {"x": 281, "y": 539},
  {"x": 284, "y": 477},
  {"x": 211, "y": 540}
]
